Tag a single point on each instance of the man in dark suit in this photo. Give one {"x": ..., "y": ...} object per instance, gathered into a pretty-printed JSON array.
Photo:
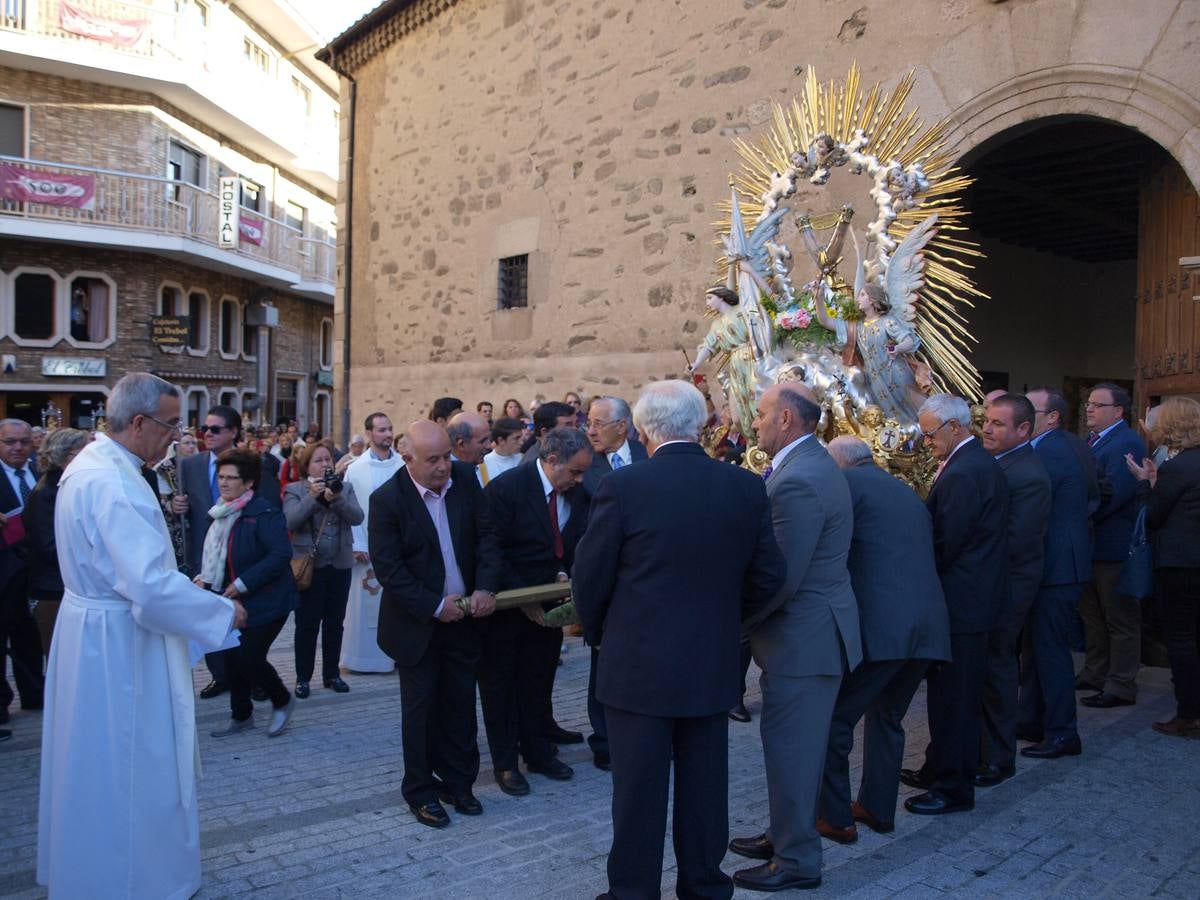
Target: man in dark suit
[
  {"x": 1007, "y": 428},
  {"x": 969, "y": 505},
  {"x": 546, "y": 418},
  {"x": 1112, "y": 621},
  {"x": 538, "y": 511},
  {"x": 18, "y": 632},
  {"x": 198, "y": 493},
  {"x": 905, "y": 628},
  {"x": 804, "y": 640},
  {"x": 1046, "y": 713},
  {"x": 667, "y": 626},
  {"x": 431, "y": 545},
  {"x": 609, "y": 427}
]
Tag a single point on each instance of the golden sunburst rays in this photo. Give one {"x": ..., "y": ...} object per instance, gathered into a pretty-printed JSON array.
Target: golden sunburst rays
[{"x": 895, "y": 132}]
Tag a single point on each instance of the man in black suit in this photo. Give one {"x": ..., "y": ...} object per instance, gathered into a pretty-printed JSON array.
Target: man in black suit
[
  {"x": 546, "y": 418},
  {"x": 905, "y": 628},
  {"x": 1007, "y": 428},
  {"x": 18, "y": 631},
  {"x": 431, "y": 545},
  {"x": 539, "y": 511},
  {"x": 667, "y": 625},
  {"x": 222, "y": 430},
  {"x": 609, "y": 427},
  {"x": 969, "y": 505},
  {"x": 1046, "y": 713}
]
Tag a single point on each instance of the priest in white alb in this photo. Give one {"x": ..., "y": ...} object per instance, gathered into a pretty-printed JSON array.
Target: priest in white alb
[
  {"x": 118, "y": 815},
  {"x": 360, "y": 649}
]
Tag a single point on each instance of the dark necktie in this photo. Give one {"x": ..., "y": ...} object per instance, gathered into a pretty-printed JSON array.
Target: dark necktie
[
  {"x": 22, "y": 485},
  {"x": 552, "y": 503},
  {"x": 1092, "y": 438},
  {"x": 767, "y": 472},
  {"x": 212, "y": 486}
]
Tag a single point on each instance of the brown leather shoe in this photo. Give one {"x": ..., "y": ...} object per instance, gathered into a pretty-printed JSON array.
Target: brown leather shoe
[
  {"x": 862, "y": 814},
  {"x": 1178, "y": 727},
  {"x": 847, "y": 835}
]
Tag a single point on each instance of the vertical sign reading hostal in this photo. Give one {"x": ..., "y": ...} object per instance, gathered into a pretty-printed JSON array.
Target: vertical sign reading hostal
[{"x": 227, "y": 214}]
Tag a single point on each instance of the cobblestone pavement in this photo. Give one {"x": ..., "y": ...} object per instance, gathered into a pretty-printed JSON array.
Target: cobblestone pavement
[{"x": 318, "y": 813}]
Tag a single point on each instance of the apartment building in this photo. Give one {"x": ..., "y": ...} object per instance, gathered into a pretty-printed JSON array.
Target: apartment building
[{"x": 167, "y": 180}]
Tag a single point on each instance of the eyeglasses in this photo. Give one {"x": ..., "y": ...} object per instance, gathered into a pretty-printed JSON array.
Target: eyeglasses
[
  {"x": 929, "y": 434},
  {"x": 17, "y": 442},
  {"x": 229, "y": 478},
  {"x": 595, "y": 423},
  {"x": 1091, "y": 405},
  {"x": 176, "y": 426},
  {"x": 215, "y": 429}
]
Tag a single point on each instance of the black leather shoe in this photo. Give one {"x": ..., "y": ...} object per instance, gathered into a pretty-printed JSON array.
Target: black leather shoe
[
  {"x": 465, "y": 803},
  {"x": 302, "y": 690},
  {"x": 1032, "y": 735},
  {"x": 603, "y": 762},
  {"x": 259, "y": 695},
  {"x": 431, "y": 814},
  {"x": 915, "y": 778},
  {"x": 1053, "y": 748},
  {"x": 512, "y": 782},
  {"x": 552, "y": 769},
  {"x": 1104, "y": 700},
  {"x": 1081, "y": 685},
  {"x": 990, "y": 776},
  {"x": 4, "y": 716},
  {"x": 5, "y": 734},
  {"x": 934, "y": 803},
  {"x": 757, "y": 847},
  {"x": 769, "y": 877},
  {"x": 739, "y": 713},
  {"x": 213, "y": 689},
  {"x": 339, "y": 686},
  {"x": 560, "y": 735}
]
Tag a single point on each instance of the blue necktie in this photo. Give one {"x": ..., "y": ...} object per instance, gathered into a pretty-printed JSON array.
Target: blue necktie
[
  {"x": 216, "y": 492},
  {"x": 23, "y": 485},
  {"x": 616, "y": 461}
]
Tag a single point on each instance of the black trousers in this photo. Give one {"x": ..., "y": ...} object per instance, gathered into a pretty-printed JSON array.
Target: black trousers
[
  {"x": 19, "y": 638},
  {"x": 954, "y": 693},
  {"x": 322, "y": 608},
  {"x": 642, "y": 748},
  {"x": 1178, "y": 593},
  {"x": 516, "y": 681},
  {"x": 745, "y": 656},
  {"x": 216, "y": 666},
  {"x": 881, "y": 691},
  {"x": 246, "y": 666},
  {"x": 598, "y": 739},
  {"x": 437, "y": 708},
  {"x": 1047, "y": 700},
  {"x": 1001, "y": 684}
]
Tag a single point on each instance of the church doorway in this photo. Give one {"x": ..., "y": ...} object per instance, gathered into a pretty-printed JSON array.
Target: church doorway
[{"x": 1083, "y": 223}]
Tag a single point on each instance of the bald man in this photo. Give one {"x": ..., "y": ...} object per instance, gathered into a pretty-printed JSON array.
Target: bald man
[
  {"x": 470, "y": 440},
  {"x": 432, "y": 546}
]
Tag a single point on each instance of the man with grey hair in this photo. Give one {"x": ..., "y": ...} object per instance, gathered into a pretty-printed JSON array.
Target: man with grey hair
[
  {"x": 358, "y": 445},
  {"x": 969, "y": 507},
  {"x": 117, "y": 813},
  {"x": 470, "y": 441},
  {"x": 668, "y": 630}
]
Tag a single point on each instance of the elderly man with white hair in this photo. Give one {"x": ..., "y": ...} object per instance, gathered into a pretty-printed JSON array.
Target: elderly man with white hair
[{"x": 668, "y": 631}]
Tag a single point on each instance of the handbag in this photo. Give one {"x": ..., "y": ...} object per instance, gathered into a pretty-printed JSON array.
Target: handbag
[
  {"x": 303, "y": 566},
  {"x": 1137, "y": 572}
]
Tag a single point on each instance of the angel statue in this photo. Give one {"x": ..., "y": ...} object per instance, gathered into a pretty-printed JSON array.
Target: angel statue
[
  {"x": 729, "y": 333},
  {"x": 884, "y": 338}
]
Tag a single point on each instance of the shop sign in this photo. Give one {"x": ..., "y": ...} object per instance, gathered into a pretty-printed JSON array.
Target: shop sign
[
  {"x": 227, "y": 213},
  {"x": 74, "y": 366},
  {"x": 170, "y": 331}
]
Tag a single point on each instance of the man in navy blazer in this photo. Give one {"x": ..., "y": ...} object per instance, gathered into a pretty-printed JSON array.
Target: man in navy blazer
[
  {"x": 1112, "y": 621},
  {"x": 969, "y": 505},
  {"x": 1046, "y": 712},
  {"x": 431, "y": 544},
  {"x": 667, "y": 617}
]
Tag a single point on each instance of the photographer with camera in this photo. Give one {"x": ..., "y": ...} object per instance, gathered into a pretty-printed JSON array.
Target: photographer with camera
[{"x": 320, "y": 509}]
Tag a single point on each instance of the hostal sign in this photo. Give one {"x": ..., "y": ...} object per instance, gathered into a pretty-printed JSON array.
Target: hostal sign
[{"x": 227, "y": 213}]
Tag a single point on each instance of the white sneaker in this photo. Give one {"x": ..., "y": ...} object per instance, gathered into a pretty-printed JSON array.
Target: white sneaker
[
  {"x": 234, "y": 727},
  {"x": 279, "y": 718}
]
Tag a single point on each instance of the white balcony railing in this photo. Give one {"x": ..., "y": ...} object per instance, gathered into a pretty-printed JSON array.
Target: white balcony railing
[{"x": 146, "y": 203}]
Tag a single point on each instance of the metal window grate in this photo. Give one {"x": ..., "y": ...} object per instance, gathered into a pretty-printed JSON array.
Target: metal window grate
[{"x": 513, "y": 289}]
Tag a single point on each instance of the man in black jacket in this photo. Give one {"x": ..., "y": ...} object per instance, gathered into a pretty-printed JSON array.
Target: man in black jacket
[
  {"x": 538, "y": 511},
  {"x": 668, "y": 624},
  {"x": 18, "y": 632},
  {"x": 432, "y": 545},
  {"x": 969, "y": 505}
]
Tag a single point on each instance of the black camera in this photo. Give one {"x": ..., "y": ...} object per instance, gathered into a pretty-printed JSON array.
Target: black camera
[{"x": 332, "y": 481}]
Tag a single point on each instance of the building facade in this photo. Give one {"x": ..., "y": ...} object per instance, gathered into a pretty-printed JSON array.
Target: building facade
[
  {"x": 529, "y": 190},
  {"x": 167, "y": 178}
]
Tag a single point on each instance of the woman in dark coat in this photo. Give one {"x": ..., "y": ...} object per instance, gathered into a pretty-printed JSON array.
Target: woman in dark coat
[
  {"x": 1172, "y": 496},
  {"x": 315, "y": 510},
  {"x": 247, "y": 557}
]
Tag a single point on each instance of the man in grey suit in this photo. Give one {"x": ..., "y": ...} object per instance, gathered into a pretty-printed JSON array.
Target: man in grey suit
[
  {"x": 905, "y": 628},
  {"x": 804, "y": 640}
]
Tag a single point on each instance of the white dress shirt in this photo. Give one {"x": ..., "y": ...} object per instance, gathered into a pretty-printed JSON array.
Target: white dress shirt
[
  {"x": 14, "y": 483},
  {"x": 564, "y": 508},
  {"x": 622, "y": 452}
]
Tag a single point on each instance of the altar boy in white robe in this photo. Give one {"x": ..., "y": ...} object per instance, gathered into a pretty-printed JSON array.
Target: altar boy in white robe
[
  {"x": 360, "y": 647},
  {"x": 118, "y": 814}
]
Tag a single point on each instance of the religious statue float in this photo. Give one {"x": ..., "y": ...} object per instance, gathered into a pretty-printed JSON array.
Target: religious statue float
[{"x": 870, "y": 353}]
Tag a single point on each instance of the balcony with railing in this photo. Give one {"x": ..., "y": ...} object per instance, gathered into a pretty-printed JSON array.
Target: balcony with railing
[{"x": 99, "y": 206}]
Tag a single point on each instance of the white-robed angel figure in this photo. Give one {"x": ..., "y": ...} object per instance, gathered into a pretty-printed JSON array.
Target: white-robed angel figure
[
  {"x": 884, "y": 340},
  {"x": 117, "y": 815}
]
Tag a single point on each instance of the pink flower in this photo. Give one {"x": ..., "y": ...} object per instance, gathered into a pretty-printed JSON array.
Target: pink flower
[{"x": 803, "y": 319}]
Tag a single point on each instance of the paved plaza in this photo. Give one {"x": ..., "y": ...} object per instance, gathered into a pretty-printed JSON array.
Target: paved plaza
[{"x": 318, "y": 813}]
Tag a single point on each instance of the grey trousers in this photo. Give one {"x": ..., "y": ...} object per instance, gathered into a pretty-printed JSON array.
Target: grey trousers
[
  {"x": 795, "y": 722},
  {"x": 1112, "y": 623}
]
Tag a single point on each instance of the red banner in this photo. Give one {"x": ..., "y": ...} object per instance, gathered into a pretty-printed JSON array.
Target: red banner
[
  {"x": 251, "y": 228},
  {"x": 51, "y": 188},
  {"x": 122, "y": 32}
]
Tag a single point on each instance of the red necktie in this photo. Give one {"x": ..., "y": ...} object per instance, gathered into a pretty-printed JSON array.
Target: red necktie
[
  {"x": 558, "y": 541},
  {"x": 1092, "y": 438}
]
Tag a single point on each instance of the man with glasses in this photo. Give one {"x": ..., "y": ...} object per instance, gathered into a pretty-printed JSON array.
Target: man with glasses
[
  {"x": 222, "y": 429},
  {"x": 1112, "y": 621}
]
